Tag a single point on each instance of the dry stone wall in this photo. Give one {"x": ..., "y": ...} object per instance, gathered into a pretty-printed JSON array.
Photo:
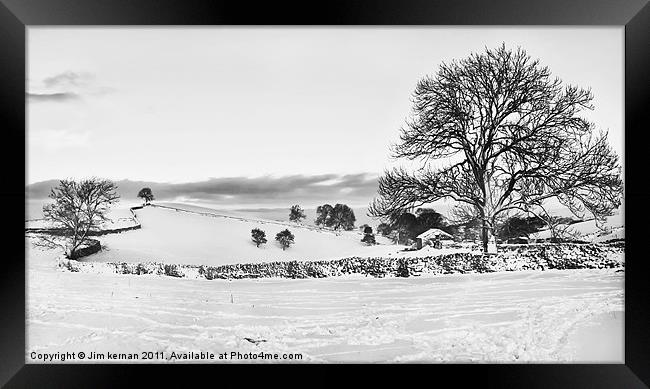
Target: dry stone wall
[
  {"x": 91, "y": 246},
  {"x": 62, "y": 232},
  {"x": 511, "y": 258}
]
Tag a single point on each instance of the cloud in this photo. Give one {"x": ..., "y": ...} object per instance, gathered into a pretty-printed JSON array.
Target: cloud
[
  {"x": 307, "y": 190},
  {"x": 67, "y": 86},
  {"x": 52, "y": 97},
  {"x": 68, "y": 79},
  {"x": 325, "y": 187}
]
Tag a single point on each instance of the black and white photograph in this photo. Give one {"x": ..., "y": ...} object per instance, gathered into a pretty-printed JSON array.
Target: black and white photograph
[{"x": 325, "y": 194}]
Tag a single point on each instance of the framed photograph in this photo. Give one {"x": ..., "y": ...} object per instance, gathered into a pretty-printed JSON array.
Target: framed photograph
[{"x": 451, "y": 187}]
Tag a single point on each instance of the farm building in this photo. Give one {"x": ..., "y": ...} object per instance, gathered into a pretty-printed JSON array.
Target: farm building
[
  {"x": 432, "y": 236},
  {"x": 518, "y": 240}
]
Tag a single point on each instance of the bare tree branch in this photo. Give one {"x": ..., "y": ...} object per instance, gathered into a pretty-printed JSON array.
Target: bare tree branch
[
  {"x": 78, "y": 208},
  {"x": 518, "y": 135}
]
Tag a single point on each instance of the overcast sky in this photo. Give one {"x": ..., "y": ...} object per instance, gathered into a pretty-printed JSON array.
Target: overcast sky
[{"x": 180, "y": 105}]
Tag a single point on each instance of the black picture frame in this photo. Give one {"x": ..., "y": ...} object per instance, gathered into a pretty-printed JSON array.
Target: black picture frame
[{"x": 17, "y": 15}]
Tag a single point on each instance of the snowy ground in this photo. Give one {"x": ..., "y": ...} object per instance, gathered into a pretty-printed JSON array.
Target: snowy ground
[
  {"x": 192, "y": 234},
  {"x": 613, "y": 228},
  {"x": 118, "y": 217},
  {"x": 546, "y": 316},
  {"x": 171, "y": 236},
  {"x": 549, "y": 316}
]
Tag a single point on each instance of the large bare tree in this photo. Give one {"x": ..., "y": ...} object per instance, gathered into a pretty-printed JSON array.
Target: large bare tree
[
  {"x": 497, "y": 134},
  {"x": 78, "y": 208}
]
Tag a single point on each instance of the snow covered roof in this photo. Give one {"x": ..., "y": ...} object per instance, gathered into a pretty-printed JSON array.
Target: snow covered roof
[{"x": 433, "y": 232}]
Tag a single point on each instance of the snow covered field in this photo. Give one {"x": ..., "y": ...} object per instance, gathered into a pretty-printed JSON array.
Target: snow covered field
[
  {"x": 613, "y": 228},
  {"x": 572, "y": 315},
  {"x": 525, "y": 316},
  {"x": 171, "y": 236},
  {"x": 118, "y": 217}
]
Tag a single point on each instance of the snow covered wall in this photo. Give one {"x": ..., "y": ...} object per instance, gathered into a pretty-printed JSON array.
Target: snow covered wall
[
  {"x": 512, "y": 258},
  {"x": 119, "y": 225}
]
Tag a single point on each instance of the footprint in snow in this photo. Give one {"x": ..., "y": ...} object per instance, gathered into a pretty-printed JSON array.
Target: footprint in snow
[{"x": 255, "y": 341}]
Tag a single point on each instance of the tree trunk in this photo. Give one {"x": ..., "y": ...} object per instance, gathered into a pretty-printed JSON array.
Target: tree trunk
[{"x": 484, "y": 236}]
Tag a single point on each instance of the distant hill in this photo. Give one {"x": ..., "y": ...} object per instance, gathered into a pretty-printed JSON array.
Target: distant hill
[
  {"x": 37, "y": 193},
  {"x": 127, "y": 189}
]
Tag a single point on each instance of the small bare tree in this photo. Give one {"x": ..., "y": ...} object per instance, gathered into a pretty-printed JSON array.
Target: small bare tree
[
  {"x": 497, "y": 134},
  {"x": 78, "y": 208},
  {"x": 258, "y": 236},
  {"x": 146, "y": 194},
  {"x": 296, "y": 213},
  {"x": 285, "y": 238}
]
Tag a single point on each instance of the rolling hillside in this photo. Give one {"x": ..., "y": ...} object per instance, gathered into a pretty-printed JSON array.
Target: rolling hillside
[{"x": 185, "y": 236}]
